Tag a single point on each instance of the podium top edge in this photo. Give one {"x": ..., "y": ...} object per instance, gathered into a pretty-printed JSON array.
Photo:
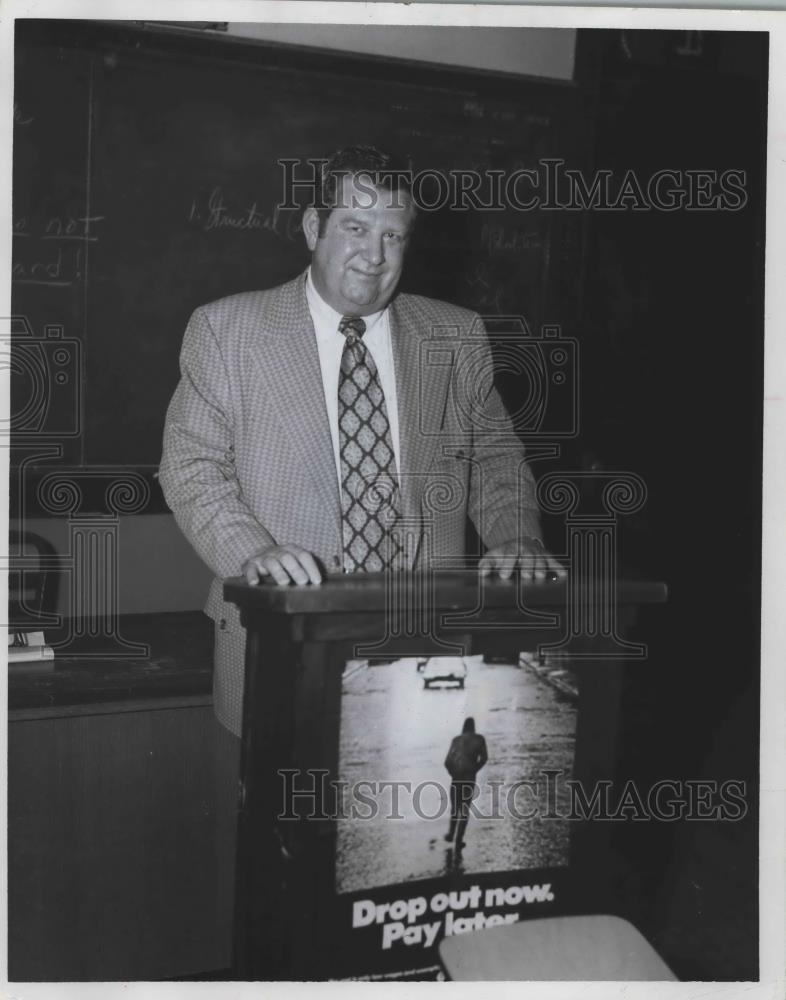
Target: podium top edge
[{"x": 446, "y": 590}]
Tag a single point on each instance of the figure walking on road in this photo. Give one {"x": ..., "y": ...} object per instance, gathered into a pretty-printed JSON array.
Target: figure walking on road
[{"x": 466, "y": 757}]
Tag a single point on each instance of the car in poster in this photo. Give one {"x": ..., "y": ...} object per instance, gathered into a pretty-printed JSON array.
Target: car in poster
[{"x": 444, "y": 670}]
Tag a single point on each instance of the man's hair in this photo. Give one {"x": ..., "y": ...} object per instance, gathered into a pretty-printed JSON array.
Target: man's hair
[
  {"x": 469, "y": 725},
  {"x": 385, "y": 171}
]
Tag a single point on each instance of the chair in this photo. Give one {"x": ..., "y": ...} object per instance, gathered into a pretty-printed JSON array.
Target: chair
[
  {"x": 598, "y": 947},
  {"x": 32, "y": 584}
]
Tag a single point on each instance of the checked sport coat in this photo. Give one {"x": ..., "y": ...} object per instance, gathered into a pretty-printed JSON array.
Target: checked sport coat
[{"x": 248, "y": 460}]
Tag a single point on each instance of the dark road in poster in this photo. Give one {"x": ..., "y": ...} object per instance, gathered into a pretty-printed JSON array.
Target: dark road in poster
[{"x": 393, "y": 729}]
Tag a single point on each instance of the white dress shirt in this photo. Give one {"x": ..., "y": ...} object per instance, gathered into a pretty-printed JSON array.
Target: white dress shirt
[{"x": 330, "y": 344}]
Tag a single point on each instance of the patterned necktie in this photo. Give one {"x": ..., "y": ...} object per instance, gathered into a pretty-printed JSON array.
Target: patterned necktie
[{"x": 369, "y": 483}]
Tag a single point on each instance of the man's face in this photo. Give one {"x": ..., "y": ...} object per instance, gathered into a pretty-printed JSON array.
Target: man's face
[{"x": 356, "y": 264}]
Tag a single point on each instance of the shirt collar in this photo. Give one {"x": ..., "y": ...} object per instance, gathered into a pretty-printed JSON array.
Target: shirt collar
[{"x": 325, "y": 315}]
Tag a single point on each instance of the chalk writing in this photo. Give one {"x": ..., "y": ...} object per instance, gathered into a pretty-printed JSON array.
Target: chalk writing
[
  {"x": 19, "y": 118},
  {"x": 494, "y": 238},
  {"x": 69, "y": 228},
  {"x": 486, "y": 293},
  {"x": 57, "y": 228},
  {"x": 472, "y": 109},
  {"x": 61, "y": 268},
  {"x": 218, "y": 215},
  {"x": 53, "y": 252}
]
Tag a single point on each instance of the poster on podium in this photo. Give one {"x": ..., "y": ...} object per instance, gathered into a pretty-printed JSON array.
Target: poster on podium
[{"x": 454, "y": 776}]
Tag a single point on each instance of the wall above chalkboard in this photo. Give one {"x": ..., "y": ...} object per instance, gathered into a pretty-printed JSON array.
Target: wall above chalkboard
[
  {"x": 536, "y": 52},
  {"x": 147, "y": 181}
]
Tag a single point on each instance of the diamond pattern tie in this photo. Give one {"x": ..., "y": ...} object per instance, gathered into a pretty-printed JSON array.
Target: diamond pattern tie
[{"x": 369, "y": 482}]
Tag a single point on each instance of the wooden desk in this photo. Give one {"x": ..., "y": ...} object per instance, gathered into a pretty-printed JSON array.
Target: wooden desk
[
  {"x": 179, "y": 665},
  {"x": 299, "y": 639},
  {"x": 122, "y": 793}
]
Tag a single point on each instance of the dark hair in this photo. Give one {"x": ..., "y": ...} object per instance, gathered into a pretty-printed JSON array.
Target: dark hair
[
  {"x": 469, "y": 725},
  {"x": 385, "y": 171}
]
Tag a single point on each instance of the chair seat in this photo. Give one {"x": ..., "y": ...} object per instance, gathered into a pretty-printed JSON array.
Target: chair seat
[{"x": 598, "y": 947}]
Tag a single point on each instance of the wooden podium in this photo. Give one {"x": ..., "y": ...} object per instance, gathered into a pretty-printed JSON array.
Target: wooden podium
[{"x": 298, "y": 642}]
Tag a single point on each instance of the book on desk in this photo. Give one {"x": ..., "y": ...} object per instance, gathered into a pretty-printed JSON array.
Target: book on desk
[{"x": 28, "y": 651}]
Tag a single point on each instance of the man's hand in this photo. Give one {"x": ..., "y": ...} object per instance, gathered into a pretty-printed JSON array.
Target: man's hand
[
  {"x": 285, "y": 564},
  {"x": 526, "y": 554}
]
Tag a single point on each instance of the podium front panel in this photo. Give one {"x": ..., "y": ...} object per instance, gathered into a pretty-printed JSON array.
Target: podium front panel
[{"x": 350, "y": 718}]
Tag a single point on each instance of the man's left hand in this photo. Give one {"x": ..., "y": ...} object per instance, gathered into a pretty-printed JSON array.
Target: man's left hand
[{"x": 526, "y": 555}]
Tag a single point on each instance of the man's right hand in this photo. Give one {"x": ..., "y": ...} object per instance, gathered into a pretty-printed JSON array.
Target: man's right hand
[{"x": 285, "y": 564}]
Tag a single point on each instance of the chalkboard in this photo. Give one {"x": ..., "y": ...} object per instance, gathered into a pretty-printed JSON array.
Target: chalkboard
[{"x": 146, "y": 183}]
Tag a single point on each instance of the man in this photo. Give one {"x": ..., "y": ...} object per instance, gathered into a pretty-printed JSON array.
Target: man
[
  {"x": 466, "y": 756},
  {"x": 312, "y": 430}
]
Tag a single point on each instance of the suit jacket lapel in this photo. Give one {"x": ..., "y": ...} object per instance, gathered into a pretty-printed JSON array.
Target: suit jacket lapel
[
  {"x": 289, "y": 362},
  {"x": 422, "y": 389}
]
